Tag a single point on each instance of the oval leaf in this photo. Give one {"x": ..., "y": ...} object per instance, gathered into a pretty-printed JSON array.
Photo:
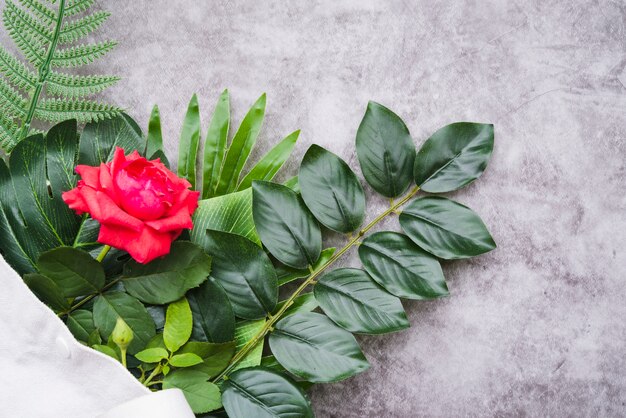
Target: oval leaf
[
  {"x": 74, "y": 271},
  {"x": 213, "y": 316},
  {"x": 185, "y": 360},
  {"x": 446, "y": 228},
  {"x": 203, "y": 396},
  {"x": 152, "y": 355},
  {"x": 263, "y": 393},
  {"x": 385, "y": 150},
  {"x": 331, "y": 190},
  {"x": 215, "y": 357},
  {"x": 401, "y": 267},
  {"x": 285, "y": 225},
  {"x": 80, "y": 323},
  {"x": 167, "y": 278},
  {"x": 245, "y": 272},
  {"x": 47, "y": 291},
  {"x": 355, "y": 302},
  {"x": 453, "y": 157},
  {"x": 178, "y": 324},
  {"x": 310, "y": 346}
]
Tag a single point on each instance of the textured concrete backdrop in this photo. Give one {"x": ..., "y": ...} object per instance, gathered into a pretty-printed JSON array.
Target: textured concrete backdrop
[{"x": 534, "y": 328}]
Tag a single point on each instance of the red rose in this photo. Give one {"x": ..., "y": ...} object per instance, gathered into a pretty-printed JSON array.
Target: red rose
[{"x": 141, "y": 205}]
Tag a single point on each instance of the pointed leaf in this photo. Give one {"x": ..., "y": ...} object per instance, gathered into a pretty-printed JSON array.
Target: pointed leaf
[
  {"x": 81, "y": 325},
  {"x": 99, "y": 139},
  {"x": 74, "y": 271},
  {"x": 178, "y": 325},
  {"x": 185, "y": 360},
  {"x": 213, "y": 316},
  {"x": 215, "y": 146},
  {"x": 189, "y": 141},
  {"x": 47, "y": 291},
  {"x": 152, "y": 355},
  {"x": 154, "y": 142}
]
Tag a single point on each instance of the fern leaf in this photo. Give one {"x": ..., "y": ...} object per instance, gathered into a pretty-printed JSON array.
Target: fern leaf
[
  {"x": 8, "y": 133},
  {"x": 74, "y": 7},
  {"x": 81, "y": 54},
  {"x": 77, "y": 29},
  {"x": 11, "y": 101},
  {"x": 41, "y": 10},
  {"x": 32, "y": 49},
  {"x": 21, "y": 20},
  {"x": 16, "y": 72},
  {"x": 72, "y": 86},
  {"x": 56, "y": 110}
]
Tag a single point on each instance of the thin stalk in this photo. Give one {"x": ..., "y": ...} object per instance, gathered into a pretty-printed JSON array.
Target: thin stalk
[
  {"x": 154, "y": 373},
  {"x": 103, "y": 253},
  {"x": 272, "y": 319},
  {"x": 88, "y": 298}
]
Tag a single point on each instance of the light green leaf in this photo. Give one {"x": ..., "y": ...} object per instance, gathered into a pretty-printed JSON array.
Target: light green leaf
[
  {"x": 215, "y": 357},
  {"x": 189, "y": 141},
  {"x": 74, "y": 271},
  {"x": 213, "y": 316},
  {"x": 152, "y": 355},
  {"x": 178, "y": 324},
  {"x": 185, "y": 360},
  {"x": 215, "y": 146},
  {"x": 104, "y": 349},
  {"x": 202, "y": 395},
  {"x": 154, "y": 142},
  {"x": 244, "y": 332}
]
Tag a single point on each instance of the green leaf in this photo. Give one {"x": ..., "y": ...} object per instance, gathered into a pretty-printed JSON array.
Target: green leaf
[
  {"x": 47, "y": 291},
  {"x": 57, "y": 110},
  {"x": 453, "y": 157},
  {"x": 74, "y": 271},
  {"x": 229, "y": 213},
  {"x": 178, "y": 324},
  {"x": 104, "y": 349},
  {"x": 185, "y": 360},
  {"x": 263, "y": 393},
  {"x": 385, "y": 151},
  {"x": 245, "y": 272},
  {"x": 445, "y": 228},
  {"x": 244, "y": 332},
  {"x": 331, "y": 190},
  {"x": 152, "y": 355},
  {"x": 81, "y": 325},
  {"x": 154, "y": 142},
  {"x": 100, "y": 139},
  {"x": 401, "y": 267},
  {"x": 81, "y": 54},
  {"x": 271, "y": 162},
  {"x": 202, "y": 395},
  {"x": 213, "y": 316},
  {"x": 310, "y": 346},
  {"x": 288, "y": 274},
  {"x": 355, "y": 302},
  {"x": 215, "y": 357},
  {"x": 189, "y": 141},
  {"x": 285, "y": 225},
  {"x": 215, "y": 146},
  {"x": 240, "y": 147},
  {"x": 109, "y": 306},
  {"x": 293, "y": 184},
  {"x": 305, "y": 302},
  {"x": 167, "y": 278}
]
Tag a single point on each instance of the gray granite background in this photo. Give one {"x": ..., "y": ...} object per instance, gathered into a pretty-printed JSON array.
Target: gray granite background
[{"x": 535, "y": 328}]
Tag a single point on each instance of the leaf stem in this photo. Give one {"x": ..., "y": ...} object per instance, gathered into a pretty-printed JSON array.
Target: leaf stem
[
  {"x": 89, "y": 297},
  {"x": 269, "y": 325},
  {"x": 103, "y": 253},
  {"x": 154, "y": 373}
]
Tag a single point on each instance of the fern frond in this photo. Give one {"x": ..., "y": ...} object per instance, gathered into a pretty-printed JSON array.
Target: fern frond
[
  {"x": 56, "y": 110},
  {"x": 72, "y": 86},
  {"x": 39, "y": 9},
  {"x": 16, "y": 72},
  {"x": 74, "y": 7},
  {"x": 8, "y": 132},
  {"x": 11, "y": 101},
  {"x": 21, "y": 20},
  {"x": 81, "y": 54},
  {"x": 32, "y": 49},
  {"x": 79, "y": 28}
]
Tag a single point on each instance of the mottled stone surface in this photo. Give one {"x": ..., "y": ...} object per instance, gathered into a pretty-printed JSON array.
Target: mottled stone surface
[{"x": 535, "y": 328}]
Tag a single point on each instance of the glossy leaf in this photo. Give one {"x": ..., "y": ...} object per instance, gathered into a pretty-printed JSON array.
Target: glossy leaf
[
  {"x": 215, "y": 356},
  {"x": 331, "y": 190},
  {"x": 189, "y": 142},
  {"x": 203, "y": 396},
  {"x": 109, "y": 306},
  {"x": 47, "y": 291},
  {"x": 152, "y": 355},
  {"x": 453, "y": 157},
  {"x": 312, "y": 347},
  {"x": 185, "y": 360},
  {"x": 74, "y": 271},
  {"x": 305, "y": 302},
  {"x": 401, "y": 267},
  {"x": 244, "y": 332},
  {"x": 385, "y": 151},
  {"x": 285, "y": 225},
  {"x": 271, "y": 162},
  {"x": 178, "y": 325},
  {"x": 240, "y": 147},
  {"x": 263, "y": 393},
  {"x": 168, "y": 278},
  {"x": 154, "y": 141},
  {"x": 355, "y": 302},
  {"x": 215, "y": 146},
  {"x": 80, "y": 323},
  {"x": 445, "y": 228},
  {"x": 213, "y": 316},
  {"x": 293, "y": 184},
  {"x": 100, "y": 139},
  {"x": 288, "y": 274}
]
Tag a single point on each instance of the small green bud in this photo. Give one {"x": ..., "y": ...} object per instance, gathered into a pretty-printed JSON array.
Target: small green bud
[{"x": 122, "y": 335}]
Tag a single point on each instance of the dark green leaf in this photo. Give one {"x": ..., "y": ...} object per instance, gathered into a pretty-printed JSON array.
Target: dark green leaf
[
  {"x": 215, "y": 356},
  {"x": 99, "y": 139},
  {"x": 355, "y": 302},
  {"x": 245, "y": 272},
  {"x": 152, "y": 355},
  {"x": 331, "y": 190},
  {"x": 310, "y": 346},
  {"x": 288, "y": 274},
  {"x": 185, "y": 360},
  {"x": 453, "y": 157},
  {"x": 109, "y": 306},
  {"x": 263, "y": 393},
  {"x": 271, "y": 162},
  {"x": 80, "y": 323},
  {"x": 385, "y": 150},
  {"x": 401, "y": 267},
  {"x": 47, "y": 291},
  {"x": 178, "y": 324},
  {"x": 158, "y": 316},
  {"x": 213, "y": 316},
  {"x": 154, "y": 142},
  {"x": 285, "y": 225},
  {"x": 240, "y": 147},
  {"x": 168, "y": 278},
  {"x": 215, "y": 146},
  {"x": 202, "y": 395},
  {"x": 446, "y": 228},
  {"x": 189, "y": 141},
  {"x": 73, "y": 270}
]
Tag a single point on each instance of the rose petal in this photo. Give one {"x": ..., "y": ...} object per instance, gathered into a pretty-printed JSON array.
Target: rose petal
[
  {"x": 103, "y": 209},
  {"x": 75, "y": 201},
  {"x": 90, "y": 175},
  {"x": 106, "y": 183},
  {"x": 178, "y": 221},
  {"x": 143, "y": 246}
]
